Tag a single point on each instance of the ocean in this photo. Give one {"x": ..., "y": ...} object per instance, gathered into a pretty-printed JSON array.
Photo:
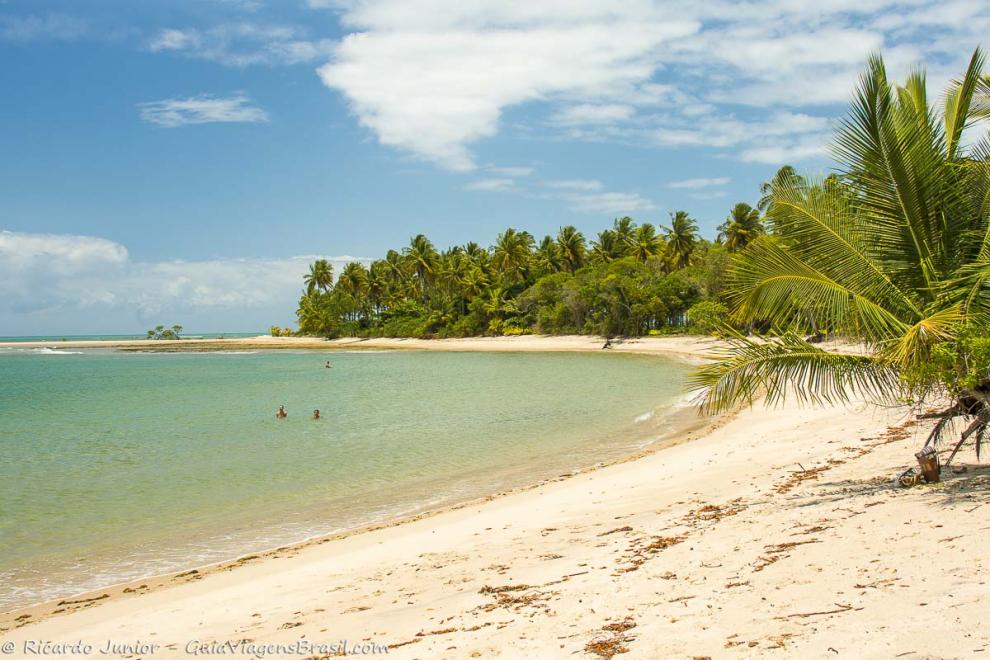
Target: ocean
[{"x": 120, "y": 465}]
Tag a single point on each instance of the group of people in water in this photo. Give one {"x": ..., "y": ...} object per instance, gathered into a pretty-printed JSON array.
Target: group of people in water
[{"x": 282, "y": 414}]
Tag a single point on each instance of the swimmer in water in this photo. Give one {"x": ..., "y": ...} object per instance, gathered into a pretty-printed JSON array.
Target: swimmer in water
[
  {"x": 328, "y": 365},
  {"x": 316, "y": 414},
  {"x": 280, "y": 413}
]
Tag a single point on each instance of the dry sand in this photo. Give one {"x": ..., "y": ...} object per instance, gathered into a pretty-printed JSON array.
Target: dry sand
[
  {"x": 687, "y": 345},
  {"x": 778, "y": 533}
]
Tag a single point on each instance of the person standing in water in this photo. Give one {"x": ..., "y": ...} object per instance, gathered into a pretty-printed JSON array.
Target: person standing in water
[
  {"x": 280, "y": 413},
  {"x": 328, "y": 365},
  {"x": 316, "y": 414}
]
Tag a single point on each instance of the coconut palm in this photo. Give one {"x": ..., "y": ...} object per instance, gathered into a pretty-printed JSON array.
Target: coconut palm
[
  {"x": 741, "y": 227},
  {"x": 894, "y": 252},
  {"x": 353, "y": 280},
  {"x": 478, "y": 255},
  {"x": 766, "y": 188},
  {"x": 473, "y": 282},
  {"x": 422, "y": 257},
  {"x": 606, "y": 247},
  {"x": 547, "y": 259},
  {"x": 511, "y": 255},
  {"x": 682, "y": 238},
  {"x": 320, "y": 276},
  {"x": 645, "y": 242},
  {"x": 571, "y": 244},
  {"x": 624, "y": 228}
]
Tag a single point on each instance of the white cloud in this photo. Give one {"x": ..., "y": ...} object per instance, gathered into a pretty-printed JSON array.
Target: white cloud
[
  {"x": 202, "y": 109},
  {"x": 433, "y": 77},
  {"x": 574, "y": 184},
  {"x": 47, "y": 27},
  {"x": 783, "y": 137},
  {"x": 243, "y": 44},
  {"x": 491, "y": 185},
  {"x": 609, "y": 203},
  {"x": 785, "y": 151},
  {"x": 715, "y": 194},
  {"x": 64, "y": 273},
  {"x": 174, "y": 40},
  {"x": 517, "y": 171},
  {"x": 695, "y": 184},
  {"x": 593, "y": 114},
  {"x": 329, "y": 4}
]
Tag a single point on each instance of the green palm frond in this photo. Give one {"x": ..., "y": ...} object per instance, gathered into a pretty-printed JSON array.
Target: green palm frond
[
  {"x": 789, "y": 365},
  {"x": 772, "y": 284},
  {"x": 959, "y": 103}
]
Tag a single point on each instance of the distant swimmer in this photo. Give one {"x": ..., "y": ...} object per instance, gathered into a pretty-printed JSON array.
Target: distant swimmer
[
  {"x": 328, "y": 365},
  {"x": 280, "y": 413},
  {"x": 316, "y": 414}
]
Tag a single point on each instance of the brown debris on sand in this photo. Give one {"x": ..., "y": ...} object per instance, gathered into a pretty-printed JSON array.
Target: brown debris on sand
[{"x": 614, "y": 642}]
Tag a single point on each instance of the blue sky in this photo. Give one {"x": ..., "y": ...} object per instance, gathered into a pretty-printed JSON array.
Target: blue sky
[{"x": 184, "y": 161}]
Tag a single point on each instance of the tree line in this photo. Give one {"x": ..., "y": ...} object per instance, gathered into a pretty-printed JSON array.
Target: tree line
[{"x": 630, "y": 279}]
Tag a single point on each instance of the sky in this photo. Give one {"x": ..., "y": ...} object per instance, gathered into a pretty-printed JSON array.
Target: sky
[{"x": 183, "y": 162}]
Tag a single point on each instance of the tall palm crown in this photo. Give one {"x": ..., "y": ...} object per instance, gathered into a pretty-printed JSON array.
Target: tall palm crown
[
  {"x": 353, "y": 279},
  {"x": 547, "y": 259},
  {"x": 766, "y": 188},
  {"x": 893, "y": 252},
  {"x": 320, "y": 276},
  {"x": 741, "y": 227},
  {"x": 623, "y": 228},
  {"x": 645, "y": 242},
  {"x": 423, "y": 258},
  {"x": 682, "y": 238},
  {"x": 512, "y": 253},
  {"x": 571, "y": 244},
  {"x": 606, "y": 247}
]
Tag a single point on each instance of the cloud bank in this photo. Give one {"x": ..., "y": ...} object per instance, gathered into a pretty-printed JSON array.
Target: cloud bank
[
  {"x": 757, "y": 80},
  {"x": 93, "y": 284}
]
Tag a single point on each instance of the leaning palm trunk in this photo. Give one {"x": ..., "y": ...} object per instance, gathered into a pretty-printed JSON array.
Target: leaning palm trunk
[{"x": 893, "y": 253}]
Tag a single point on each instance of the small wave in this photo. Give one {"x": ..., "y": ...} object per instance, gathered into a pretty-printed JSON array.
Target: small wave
[
  {"x": 54, "y": 351},
  {"x": 690, "y": 399},
  {"x": 227, "y": 352},
  {"x": 644, "y": 417}
]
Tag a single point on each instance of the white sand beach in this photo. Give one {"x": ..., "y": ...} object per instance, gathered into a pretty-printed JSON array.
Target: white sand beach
[{"x": 776, "y": 533}]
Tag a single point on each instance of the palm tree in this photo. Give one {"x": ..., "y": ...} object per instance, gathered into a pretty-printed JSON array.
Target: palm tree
[
  {"x": 422, "y": 257},
  {"x": 547, "y": 259},
  {"x": 894, "y": 252},
  {"x": 379, "y": 283},
  {"x": 478, "y": 255},
  {"x": 511, "y": 255},
  {"x": 783, "y": 174},
  {"x": 624, "y": 228},
  {"x": 473, "y": 282},
  {"x": 682, "y": 237},
  {"x": 741, "y": 227},
  {"x": 353, "y": 280},
  {"x": 606, "y": 247},
  {"x": 320, "y": 276},
  {"x": 572, "y": 247},
  {"x": 645, "y": 242}
]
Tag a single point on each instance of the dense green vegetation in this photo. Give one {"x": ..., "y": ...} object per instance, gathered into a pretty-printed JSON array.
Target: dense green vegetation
[
  {"x": 161, "y": 332},
  {"x": 632, "y": 279},
  {"x": 893, "y": 251}
]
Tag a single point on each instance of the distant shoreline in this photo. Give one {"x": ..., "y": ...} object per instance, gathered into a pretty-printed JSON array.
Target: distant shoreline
[{"x": 686, "y": 345}]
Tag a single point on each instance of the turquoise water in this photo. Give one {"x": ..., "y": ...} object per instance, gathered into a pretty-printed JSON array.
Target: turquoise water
[
  {"x": 185, "y": 335},
  {"x": 120, "y": 465}
]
